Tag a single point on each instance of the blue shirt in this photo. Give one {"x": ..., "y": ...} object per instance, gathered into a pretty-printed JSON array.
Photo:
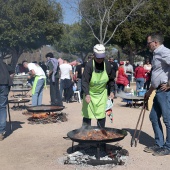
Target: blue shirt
[{"x": 160, "y": 66}]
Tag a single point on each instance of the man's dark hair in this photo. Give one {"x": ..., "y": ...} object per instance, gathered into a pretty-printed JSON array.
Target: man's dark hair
[
  {"x": 157, "y": 36},
  {"x": 147, "y": 60},
  {"x": 90, "y": 56},
  {"x": 66, "y": 59},
  {"x": 25, "y": 61},
  {"x": 111, "y": 58},
  {"x": 49, "y": 55}
]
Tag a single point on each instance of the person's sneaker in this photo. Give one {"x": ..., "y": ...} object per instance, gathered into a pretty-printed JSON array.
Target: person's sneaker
[
  {"x": 151, "y": 149},
  {"x": 161, "y": 152},
  {"x": 1, "y": 136}
]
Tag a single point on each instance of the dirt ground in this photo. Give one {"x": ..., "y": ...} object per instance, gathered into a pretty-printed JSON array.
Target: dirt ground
[{"x": 35, "y": 147}]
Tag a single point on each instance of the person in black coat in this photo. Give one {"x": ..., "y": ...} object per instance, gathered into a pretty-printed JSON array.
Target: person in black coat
[
  {"x": 114, "y": 67},
  {"x": 6, "y": 73}
]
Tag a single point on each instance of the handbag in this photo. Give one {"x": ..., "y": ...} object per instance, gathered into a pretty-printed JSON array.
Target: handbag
[{"x": 108, "y": 110}]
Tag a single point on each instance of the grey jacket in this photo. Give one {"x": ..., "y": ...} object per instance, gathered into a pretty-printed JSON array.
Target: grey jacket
[{"x": 160, "y": 66}]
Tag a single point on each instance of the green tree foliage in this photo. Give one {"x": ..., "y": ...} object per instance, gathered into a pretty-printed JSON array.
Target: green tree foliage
[
  {"x": 77, "y": 39},
  {"x": 26, "y": 25},
  {"x": 132, "y": 35}
]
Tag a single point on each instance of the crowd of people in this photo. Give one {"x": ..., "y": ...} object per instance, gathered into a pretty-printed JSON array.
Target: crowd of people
[
  {"x": 67, "y": 79},
  {"x": 97, "y": 75},
  {"x": 141, "y": 74},
  {"x": 97, "y": 80}
]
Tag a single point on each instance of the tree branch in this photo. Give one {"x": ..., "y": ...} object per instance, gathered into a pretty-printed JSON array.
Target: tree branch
[
  {"x": 136, "y": 7},
  {"x": 108, "y": 20}
]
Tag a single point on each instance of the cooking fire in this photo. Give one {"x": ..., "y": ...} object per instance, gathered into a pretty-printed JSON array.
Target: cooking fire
[
  {"x": 95, "y": 150},
  {"x": 45, "y": 118},
  {"x": 112, "y": 156}
]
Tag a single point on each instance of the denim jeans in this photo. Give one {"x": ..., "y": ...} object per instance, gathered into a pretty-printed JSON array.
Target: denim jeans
[
  {"x": 129, "y": 78},
  {"x": 161, "y": 107},
  {"x": 37, "y": 96},
  {"x": 120, "y": 88},
  {"x": 139, "y": 83},
  {"x": 79, "y": 87},
  {"x": 4, "y": 91}
]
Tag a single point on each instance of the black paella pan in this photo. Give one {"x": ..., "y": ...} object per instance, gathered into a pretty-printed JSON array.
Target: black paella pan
[
  {"x": 72, "y": 135},
  {"x": 44, "y": 108}
]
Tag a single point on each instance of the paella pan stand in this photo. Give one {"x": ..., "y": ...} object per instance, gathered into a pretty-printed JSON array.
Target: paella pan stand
[
  {"x": 23, "y": 91},
  {"x": 44, "y": 108},
  {"x": 18, "y": 102},
  {"x": 15, "y": 101},
  {"x": 98, "y": 143}
]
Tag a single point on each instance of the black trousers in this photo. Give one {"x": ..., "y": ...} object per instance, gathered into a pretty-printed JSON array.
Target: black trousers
[
  {"x": 68, "y": 89},
  {"x": 147, "y": 84},
  {"x": 55, "y": 93},
  {"x": 87, "y": 122}
]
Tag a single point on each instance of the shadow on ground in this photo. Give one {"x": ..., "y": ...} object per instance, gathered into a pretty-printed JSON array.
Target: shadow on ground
[
  {"x": 14, "y": 125},
  {"x": 144, "y": 138},
  {"x": 83, "y": 146}
]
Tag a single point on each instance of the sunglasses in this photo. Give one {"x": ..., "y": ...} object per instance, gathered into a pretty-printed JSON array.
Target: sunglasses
[{"x": 149, "y": 42}]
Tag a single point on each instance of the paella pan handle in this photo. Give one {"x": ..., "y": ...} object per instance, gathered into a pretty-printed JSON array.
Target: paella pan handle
[{"x": 67, "y": 138}]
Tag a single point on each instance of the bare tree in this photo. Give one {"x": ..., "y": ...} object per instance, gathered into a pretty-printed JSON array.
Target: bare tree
[{"x": 100, "y": 15}]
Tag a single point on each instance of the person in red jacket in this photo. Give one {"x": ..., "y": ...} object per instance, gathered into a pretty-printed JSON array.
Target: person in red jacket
[
  {"x": 140, "y": 76},
  {"x": 122, "y": 79}
]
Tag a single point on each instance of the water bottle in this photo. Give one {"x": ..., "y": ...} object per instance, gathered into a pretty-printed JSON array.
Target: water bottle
[
  {"x": 135, "y": 93},
  {"x": 132, "y": 92}
]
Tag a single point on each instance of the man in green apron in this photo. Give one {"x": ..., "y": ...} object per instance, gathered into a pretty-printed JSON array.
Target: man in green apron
[
  {"x": 39, "y": 81},
  {"x": 96, "y": 77}
]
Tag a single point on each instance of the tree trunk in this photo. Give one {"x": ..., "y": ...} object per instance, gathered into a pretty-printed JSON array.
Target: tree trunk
[
  {"x": 15, "y": 57},
  {"x": 131, "y": 55}
]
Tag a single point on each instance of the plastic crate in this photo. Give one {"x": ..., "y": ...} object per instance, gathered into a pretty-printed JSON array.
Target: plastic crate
[{"x": 141, "y": 93}]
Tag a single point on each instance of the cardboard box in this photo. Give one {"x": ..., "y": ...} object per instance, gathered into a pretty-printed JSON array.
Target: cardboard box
[{"x": 127, "y": 90}]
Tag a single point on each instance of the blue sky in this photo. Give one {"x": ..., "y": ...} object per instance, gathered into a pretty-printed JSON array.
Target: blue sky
[{"x": 70, "y": 15}]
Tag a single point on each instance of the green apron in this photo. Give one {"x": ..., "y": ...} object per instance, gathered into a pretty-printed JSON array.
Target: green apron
[
  {"x": 98, "y": 94},
  {"x": 35, "y": 83}
]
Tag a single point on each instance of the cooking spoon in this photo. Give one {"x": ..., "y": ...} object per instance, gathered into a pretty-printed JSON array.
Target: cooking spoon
[{"x": 102, "y": 130}]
